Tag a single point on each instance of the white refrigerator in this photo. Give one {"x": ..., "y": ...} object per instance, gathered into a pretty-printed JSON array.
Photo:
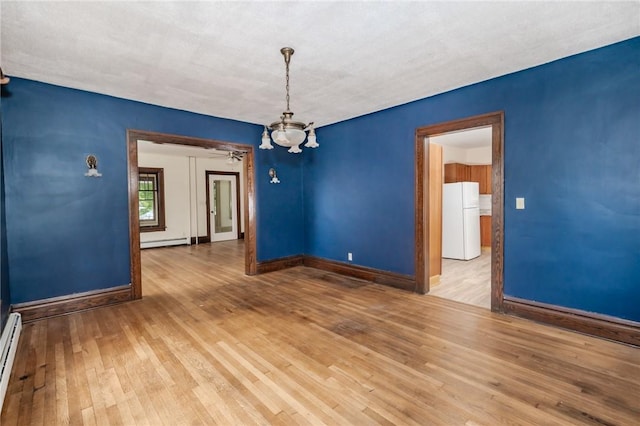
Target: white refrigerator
[{"x": 461, "y": 220}]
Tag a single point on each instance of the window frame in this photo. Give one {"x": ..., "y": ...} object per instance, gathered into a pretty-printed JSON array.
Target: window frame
[{"x": 159, "y": 199}]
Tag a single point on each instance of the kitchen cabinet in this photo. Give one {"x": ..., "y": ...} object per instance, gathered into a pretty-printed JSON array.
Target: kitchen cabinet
[
  {"x": 456, "y": 172},
  {"x": 485, "y": 231},
  {"x": 482, "y": 175},
  {"x": 488, "y": 179}
]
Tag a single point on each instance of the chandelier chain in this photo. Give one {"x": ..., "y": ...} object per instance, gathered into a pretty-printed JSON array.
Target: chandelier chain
[{"x": 287, "y": 81}]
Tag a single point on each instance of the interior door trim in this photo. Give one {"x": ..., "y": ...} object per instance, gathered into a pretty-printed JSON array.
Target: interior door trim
[
  {"x": 496, "y": 121},
  {"x": 239, "y": 224},
  {"x": 250, "y": 261}
]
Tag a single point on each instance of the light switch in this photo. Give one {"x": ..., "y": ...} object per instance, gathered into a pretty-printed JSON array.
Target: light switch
[{"x": 519, "y": 203}]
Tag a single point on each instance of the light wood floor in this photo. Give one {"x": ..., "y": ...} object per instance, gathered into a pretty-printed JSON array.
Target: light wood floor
[
  {"x": 208, "y": 345},
  {"x": 466, "y": 281}
]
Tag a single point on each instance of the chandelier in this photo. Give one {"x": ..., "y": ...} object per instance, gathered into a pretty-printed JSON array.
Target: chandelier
[{"x": 286, "y": 132}]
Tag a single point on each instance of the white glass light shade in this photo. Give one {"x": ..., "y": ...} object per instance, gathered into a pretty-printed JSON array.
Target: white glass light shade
[
  {"x": 288, "y": 137},
  {"x": 266, "y": 141},
  {"x": 311, "y": 140}
]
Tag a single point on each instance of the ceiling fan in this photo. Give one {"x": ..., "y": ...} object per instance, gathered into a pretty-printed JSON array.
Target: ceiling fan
[{"x": 232, "y": 157}]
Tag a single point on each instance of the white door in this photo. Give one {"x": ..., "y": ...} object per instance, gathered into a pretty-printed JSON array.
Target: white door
[{"x": 223, "y": 206}]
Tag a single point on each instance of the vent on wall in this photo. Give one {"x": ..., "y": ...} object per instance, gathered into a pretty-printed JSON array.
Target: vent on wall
[{"x": 8, "y": 347}]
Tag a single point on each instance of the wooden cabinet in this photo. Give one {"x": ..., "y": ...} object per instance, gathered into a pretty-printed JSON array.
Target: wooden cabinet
[
  {"x": 485, "y": 231},
  {"x": 482, "y": 175},
  {"x": 456, "y": 172},
  {"x": 476, "y": 174},
  {"x": 488, "y": 179}
]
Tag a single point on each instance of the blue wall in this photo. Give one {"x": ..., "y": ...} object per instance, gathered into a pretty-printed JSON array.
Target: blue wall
[
  {"x": 5, "y": 296},
  {"x": 68, "y": 233},
  {"x": 572, "y": 149}
]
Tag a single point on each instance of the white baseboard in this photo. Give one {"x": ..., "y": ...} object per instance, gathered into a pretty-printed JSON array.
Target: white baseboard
[{"x": 8, "y": 347}]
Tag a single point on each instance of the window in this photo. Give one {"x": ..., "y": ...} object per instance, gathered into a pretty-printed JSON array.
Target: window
[{"x": 151, "y": 199}]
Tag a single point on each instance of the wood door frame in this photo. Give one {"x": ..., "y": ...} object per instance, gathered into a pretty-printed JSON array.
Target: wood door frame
[
  {"x": 237, "y": 176},
  {"x": 250, "y": 262},
  {"x": 496, "y": 121}
]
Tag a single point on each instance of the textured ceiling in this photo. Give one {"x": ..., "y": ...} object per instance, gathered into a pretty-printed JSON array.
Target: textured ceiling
[
  {"x": 352, "y": 58},
  {"x": 478, "y": 137}
]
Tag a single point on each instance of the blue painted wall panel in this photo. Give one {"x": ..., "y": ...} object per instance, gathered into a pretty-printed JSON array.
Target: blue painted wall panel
[
  {"x": 68, "y": 233},
  {"x": 5, "y": 292},
  {"x": 572, "y": 149},
  {"x": 280, "y": 220}
]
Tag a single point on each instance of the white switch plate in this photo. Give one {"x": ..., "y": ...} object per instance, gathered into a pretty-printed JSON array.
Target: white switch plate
[
  {"x": 519, "y": 203},
  {"x": 349, "y": 257}
]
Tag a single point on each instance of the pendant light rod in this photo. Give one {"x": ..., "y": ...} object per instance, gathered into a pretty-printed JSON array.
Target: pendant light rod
[{"x": 287, "y": 52}]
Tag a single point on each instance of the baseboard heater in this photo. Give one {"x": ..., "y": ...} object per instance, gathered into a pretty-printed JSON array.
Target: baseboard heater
[
  {"x": 8, "y": 346},
  {"x": 165, "y": 243}
]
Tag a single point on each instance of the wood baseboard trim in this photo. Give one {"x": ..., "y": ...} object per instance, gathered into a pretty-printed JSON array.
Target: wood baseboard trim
[
  {"x": 612, "y": 328},
  {"x": 280, "y": 264},
  {"x": 377, "y": 276},
  {"x": 63, "y": 305}
]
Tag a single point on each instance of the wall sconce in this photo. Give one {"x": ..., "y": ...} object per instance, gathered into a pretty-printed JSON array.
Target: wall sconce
[
  {"x": 273, "y": 176},
  {"x": 92, "y": 164}
]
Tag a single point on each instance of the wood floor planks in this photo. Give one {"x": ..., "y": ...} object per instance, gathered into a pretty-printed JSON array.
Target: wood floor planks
[
  {"x": 466, "y": 281},
  {"x": 209, "y": 345}
]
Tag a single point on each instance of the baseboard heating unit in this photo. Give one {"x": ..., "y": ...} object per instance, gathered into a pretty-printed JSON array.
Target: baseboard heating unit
[
  {"x": 8, "y": 347},
  {"x": 165, "y": 243}
]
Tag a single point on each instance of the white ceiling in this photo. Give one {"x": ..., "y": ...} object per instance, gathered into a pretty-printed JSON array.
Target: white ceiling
[
  {"x": 478, "y": 137},
  {"x": 352, "y": 58}
]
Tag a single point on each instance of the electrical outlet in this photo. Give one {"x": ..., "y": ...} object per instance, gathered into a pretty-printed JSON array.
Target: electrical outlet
[
  {"x": 350, "y": 257},
  {"x": 519, "y": 203}
]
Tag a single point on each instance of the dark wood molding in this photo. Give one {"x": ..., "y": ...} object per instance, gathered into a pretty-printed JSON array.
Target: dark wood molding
[
  {"x": 159, "y": 172},
  {"x": 421, "y": 216},
  {"x": 280, "y": 264},
  {"x": 238, "y": 213},
  {"x": 612, "y": 328},
  {"x": 250, "y": 221},
  {"x": 201, "y": 240},
  {"x": 134, "y": 220},
  {"x": 497, "y": 213},
  {"x": 165, "y": 138},
  {"x": 496, "y": 121},
  {"x": 134, "y": 215},
  {"x": 378, "y": 276},
  {"x": 63, "y": 305}
]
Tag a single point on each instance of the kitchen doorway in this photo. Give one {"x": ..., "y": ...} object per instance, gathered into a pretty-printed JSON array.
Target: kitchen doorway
[
  {"x": 427, "y": 206},
  {"x": 466, "y": 216}
]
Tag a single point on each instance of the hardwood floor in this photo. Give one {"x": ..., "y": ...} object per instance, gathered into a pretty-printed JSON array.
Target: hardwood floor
[
  {"x": 208, "y": 345},
  {"x": 466, "y": 281}
]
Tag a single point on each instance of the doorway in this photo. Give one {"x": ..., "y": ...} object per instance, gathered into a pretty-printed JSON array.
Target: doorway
[
  {"x": 223, "y": 206},
  {"x": 424, "y": 233},
  {"x": 133, "y": 136},
  {"x": 466, "y": 215}
]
